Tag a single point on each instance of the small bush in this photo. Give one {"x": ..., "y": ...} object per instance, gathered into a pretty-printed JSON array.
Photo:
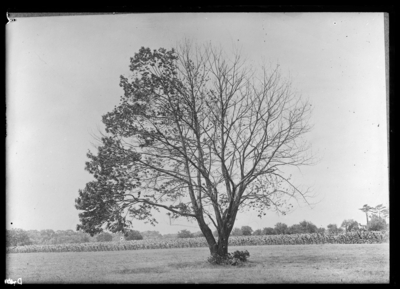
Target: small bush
[
  {"x": 241, "y": 255},
  {"x": 236, "y": 258}
]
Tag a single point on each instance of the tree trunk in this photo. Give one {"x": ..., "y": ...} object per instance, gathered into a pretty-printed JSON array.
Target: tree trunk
[
  {"x": 219, "y": 248},
  {"x": 212, "y": 244},
  {"x": 222, "y": 247}
]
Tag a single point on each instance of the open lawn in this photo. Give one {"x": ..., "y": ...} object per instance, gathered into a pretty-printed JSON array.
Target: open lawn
[{"x": 327, "y": 263}]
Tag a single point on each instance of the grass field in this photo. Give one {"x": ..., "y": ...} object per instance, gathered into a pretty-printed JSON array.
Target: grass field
[{"x": 328, "y": 263}]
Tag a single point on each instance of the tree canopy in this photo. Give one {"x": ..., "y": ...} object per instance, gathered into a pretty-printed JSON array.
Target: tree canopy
[
  {"x": 151, "y": 235},
  {"x": 246, "y": 230},
  {"x": 185, "y": 234},
  {"x": 198, "y": 134},
  {"x": 349, "y": 225},
  {"x": 133, "y": 235},
  {"x": 258, "y": 232},
  {"x": 333, "y": 229},
  {"x": 377, "y": 224},
  {"x": 281, "y": 228},
  {"x": 237, "y": 232},
  {"x": 17, "y": 237},
  {"x": 104, "y": 237},
  {"x": 269, "y": 231}
]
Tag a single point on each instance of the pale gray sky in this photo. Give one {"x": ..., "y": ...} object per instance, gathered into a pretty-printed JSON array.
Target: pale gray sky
[{"x": 63, "y": 75}]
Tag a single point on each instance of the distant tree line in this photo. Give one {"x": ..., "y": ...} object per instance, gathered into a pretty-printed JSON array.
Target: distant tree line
[
  {"x": 305, "y": 227},
  {"x": 17, "y": 237}
]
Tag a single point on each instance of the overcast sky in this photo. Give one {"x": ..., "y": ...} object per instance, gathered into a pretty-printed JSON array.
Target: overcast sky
[{"x": 63, "y": 75}]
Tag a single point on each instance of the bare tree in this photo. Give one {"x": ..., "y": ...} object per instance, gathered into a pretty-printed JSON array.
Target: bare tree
[{"x": 200, "y": 135}]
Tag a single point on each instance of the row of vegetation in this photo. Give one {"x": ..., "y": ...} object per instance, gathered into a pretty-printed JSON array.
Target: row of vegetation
[
  {"x": 358, "y": 237},
  {"x": 19, "y": 237},
  {"x": 304, "y": 227}
]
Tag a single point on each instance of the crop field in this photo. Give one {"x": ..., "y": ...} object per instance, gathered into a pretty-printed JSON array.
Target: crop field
[
  {"x": 301, "y": 239},
  {"x": 318, "y": 263}
]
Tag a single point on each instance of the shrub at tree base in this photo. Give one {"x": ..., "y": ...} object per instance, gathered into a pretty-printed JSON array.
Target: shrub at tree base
[{"x": 236, "y": 258}]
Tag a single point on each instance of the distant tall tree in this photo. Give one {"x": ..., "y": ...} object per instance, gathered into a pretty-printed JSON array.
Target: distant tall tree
[
  {"x": 302, "y": 228},
  {"x": 281, "y": 228},
  {"x": 104, "y": 237},
  {"x": 269, "y": 231},
  {"x": 17, "y": 237},
  {"x": 47, "y": 236},
  {"x": 308, "y": 227},
  {"x": 377, "y": 224},
  {"x": 258, "y": 232},
  {"x": 133, "y": 235},
  {"x": 151, "y": 235},
  {"x": 34, "y": 236},
  {"x": 333, "y": 229},
  {"x": 380, "y": 211},
  {"x": 200, "y": 135},
  {"x": 295, "y": 229},
  {"x": 236, "y": 232},
  {"x": 246, "y": 230},
  {"x": 349, "y": 225},
  {"x": 385, "y": 213},
  {"x": 185, "y": 234}
]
